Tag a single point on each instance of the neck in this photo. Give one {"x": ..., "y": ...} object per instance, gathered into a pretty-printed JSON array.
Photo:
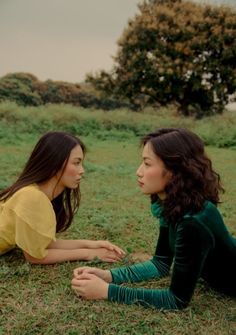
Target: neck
[
  {"x": 51, "y": 188},
  {"x": 161, "y": 195}
]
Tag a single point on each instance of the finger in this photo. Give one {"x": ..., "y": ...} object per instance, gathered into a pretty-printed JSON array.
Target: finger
[
  {"x": 77, "y": 291},
  {"x": 121, "y": 251},
  {"x": 78, "y": 271},
  {"x": 74, "y": 281},
  {"x": 91, "y": 271},
  {"x": 82, "y": 270},
  {"x": 112, "y": 247},
  {"x": 115, "y": 256},
  {"x": 87, "y": 276},
  {"x": 109, "y": 247},
  {"x": 110, "y": 260},
  {"x": 77, "y": 282},
  {"x": 118, "y": 250}
]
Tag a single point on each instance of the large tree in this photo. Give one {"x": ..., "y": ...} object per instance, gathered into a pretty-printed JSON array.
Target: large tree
[{"x": 175, "y": 51}]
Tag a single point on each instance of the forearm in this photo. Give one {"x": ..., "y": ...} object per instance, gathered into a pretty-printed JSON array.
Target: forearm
[
  {"x": 160, "y": 299},
  {"x": 62, "y": 255},
  {"x": 141, "y": 271},
  {"x": 72, "y": 244}
]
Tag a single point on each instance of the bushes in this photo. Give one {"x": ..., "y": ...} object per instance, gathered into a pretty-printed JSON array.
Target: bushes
[
  {"x": 29, "y": 122},
  {"x": 20, "y": 87},
  {"x": 26, "y": 90}
]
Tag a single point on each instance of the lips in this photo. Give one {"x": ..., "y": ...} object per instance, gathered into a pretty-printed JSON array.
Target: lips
[{"x": 140, "y": 183}]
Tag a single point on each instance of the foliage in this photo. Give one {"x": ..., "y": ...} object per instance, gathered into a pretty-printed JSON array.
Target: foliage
[
  {"x": 20, "y": 122},
  {"x": 25, "y": 89},
  {"x": 58, "y": 92},
  {"x": 175, "y": 51},
  {"x": 19, "y": 87}
]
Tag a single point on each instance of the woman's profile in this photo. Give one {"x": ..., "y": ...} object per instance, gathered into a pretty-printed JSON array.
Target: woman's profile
[
  {"x": 44, "y": 200},
  {"x": 184, "y": 190}
]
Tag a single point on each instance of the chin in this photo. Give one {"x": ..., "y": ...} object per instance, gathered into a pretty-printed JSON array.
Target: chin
[
  {"x": 74, "y": 187},
  {"x": 146, "y": 192}
]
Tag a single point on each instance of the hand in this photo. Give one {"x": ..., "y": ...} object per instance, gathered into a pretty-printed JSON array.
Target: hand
[
  {"x": 89, "y": 286},
  {"x": 109, "y": 246},
  {"x": 105, "y": 255},
  {"x": 103, "y": 274}
]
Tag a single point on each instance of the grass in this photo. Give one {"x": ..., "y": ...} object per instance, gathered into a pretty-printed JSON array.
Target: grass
[
  {"x": 38, "y": 299},
  {"x": 24, "y": 124}
]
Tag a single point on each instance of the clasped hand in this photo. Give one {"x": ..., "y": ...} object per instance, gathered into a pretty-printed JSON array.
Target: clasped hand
[
  {"x": 107, "y": 252},
  {"x": 91, "y": 283}
]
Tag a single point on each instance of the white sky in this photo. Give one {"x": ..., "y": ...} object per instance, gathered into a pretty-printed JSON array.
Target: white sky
[{"x": 62, "y": 39}]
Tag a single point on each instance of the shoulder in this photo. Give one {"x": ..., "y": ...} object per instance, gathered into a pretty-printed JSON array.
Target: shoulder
[
  {"x": 209, "y": 212},
  {"x": 29, "y": 196},
  {"x": 31, "y": 206},
  {"x": 208, "y": 209},
  {"x": 188, "y": 223},
  {"x": 197, "y": 226},
  {"x": 32, "y": 189}
]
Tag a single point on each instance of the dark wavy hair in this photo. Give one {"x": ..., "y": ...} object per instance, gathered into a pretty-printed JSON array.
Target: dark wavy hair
[
  {"x": 49, "y": 156},
  {"x": 193, "y": 181}
]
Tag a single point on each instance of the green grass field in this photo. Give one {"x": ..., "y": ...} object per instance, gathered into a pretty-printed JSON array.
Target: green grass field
[{"x": 38, "y": 299}]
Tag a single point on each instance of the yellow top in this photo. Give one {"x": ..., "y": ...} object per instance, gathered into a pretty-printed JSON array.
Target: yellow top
[{"x": 27, "y": 219}]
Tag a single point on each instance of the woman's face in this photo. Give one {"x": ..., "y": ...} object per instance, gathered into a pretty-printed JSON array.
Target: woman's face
[
  {"x": 74, "y": 169},
  {"x": 152, "y": 174}
]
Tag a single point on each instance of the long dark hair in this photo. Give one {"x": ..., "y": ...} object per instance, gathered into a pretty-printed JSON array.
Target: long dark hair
[
  {"x": 193, "y": 181},
  {"x": 49, "y": 156}
]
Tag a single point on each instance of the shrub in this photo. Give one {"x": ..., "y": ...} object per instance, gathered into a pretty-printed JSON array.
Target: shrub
[{"x": 20, "y": 87}]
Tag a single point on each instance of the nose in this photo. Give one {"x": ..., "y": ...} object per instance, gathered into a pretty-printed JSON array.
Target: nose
[
  {"x": 81, "y": 171},
  {"x": 139, "y": 171}
]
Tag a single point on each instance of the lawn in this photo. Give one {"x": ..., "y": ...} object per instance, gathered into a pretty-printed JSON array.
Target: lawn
[{"x": 38, "y": 299}]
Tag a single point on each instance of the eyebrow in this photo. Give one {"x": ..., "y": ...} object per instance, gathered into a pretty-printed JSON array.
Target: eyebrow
[{"x": 146, "y": 158}]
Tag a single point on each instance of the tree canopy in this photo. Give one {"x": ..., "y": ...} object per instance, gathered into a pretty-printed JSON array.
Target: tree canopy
[{"x": 175, "y": 51}]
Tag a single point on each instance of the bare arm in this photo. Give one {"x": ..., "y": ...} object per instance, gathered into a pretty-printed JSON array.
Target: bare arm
[
  {"x": 71, "y": 244},
  {"x": 63, "y": 255},
  {"x": 84, "y": 244},
  {"x": 60, "y": 255}
]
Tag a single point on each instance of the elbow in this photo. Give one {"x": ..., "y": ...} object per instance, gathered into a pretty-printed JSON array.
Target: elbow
[
  {"x": 181, "y": 304},
  {"x": 33, "y": 260}
]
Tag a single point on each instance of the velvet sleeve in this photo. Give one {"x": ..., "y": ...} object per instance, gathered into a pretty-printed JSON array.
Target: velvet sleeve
[
  {"x": 192, "y": 245},
  {"x": 194, "y": 241},
  {"x": 157, "y": 267}
]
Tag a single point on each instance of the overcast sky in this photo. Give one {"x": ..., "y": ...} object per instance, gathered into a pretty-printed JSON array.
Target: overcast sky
[{"x": 62, "y": 39}]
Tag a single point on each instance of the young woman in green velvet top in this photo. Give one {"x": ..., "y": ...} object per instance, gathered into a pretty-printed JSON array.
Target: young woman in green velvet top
[{"x": 184, "y": 190}]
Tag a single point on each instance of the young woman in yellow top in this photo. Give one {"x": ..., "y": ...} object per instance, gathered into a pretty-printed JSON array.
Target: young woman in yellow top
[{"x": 44, "y": 200}]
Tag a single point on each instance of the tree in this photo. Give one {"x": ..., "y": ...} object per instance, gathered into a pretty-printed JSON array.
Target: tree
[{"x": 175, "y": 51}]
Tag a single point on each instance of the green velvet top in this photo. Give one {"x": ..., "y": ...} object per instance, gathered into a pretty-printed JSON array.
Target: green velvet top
[{"x": 199, "y": 245}]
